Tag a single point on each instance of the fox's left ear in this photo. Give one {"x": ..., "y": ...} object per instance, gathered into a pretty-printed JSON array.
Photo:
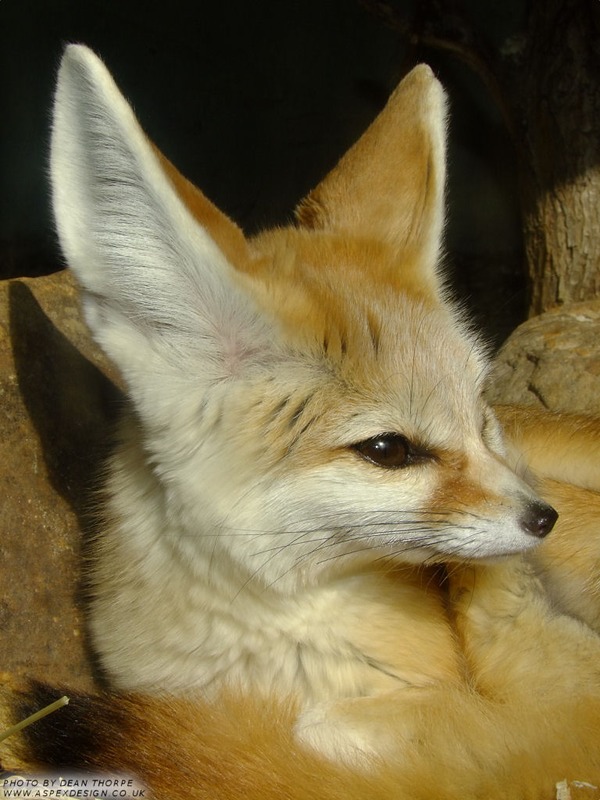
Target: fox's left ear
[
  {"x": 390, "y": 184},
  {"x": 160, "y": 266}
]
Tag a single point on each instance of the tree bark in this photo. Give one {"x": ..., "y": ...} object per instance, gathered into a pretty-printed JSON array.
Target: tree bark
[{"x": 558, "y": 103}]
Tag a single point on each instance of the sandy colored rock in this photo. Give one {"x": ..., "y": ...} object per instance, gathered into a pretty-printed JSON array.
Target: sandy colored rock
[
  {"x": 56, "y": 404},
  {"x": 552, "y": 361}
]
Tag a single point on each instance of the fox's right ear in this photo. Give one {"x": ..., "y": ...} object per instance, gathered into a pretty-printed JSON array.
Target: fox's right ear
[
  {"x": 390, "y": 184},
  {"x": 158, "y": 263}
]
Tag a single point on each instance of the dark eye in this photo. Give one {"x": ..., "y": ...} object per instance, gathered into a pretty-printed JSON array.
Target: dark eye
[{"x": 389, "y": 450}]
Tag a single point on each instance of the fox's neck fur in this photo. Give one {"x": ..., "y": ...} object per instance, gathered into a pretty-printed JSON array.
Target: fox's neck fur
[{"x": 210, "y": 622}]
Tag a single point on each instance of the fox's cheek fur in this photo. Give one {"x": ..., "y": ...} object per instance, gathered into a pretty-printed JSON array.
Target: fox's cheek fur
[
  {"x": 345, "y": 513},
  {"x": 320, "y": 509}
]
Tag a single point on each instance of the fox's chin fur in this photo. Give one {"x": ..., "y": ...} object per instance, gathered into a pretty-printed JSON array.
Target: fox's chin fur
[{"x": 310, "y": 505}]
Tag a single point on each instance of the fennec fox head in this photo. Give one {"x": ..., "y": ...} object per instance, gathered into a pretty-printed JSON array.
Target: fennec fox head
[{"x": 304, "y": 398}]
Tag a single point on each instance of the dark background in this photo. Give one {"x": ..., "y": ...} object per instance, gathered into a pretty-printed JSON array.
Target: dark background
[{"x": 254, "y": 102}]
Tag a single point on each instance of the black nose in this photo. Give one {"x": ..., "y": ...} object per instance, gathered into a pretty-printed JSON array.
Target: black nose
[{"x": 538, "y": 519}]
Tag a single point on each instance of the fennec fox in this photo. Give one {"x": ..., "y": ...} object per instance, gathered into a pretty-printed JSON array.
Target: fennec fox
[{"x": 311, "y": 508}]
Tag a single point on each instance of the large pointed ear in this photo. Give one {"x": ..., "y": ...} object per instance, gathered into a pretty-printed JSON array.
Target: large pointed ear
[
  {"x": 390, "y": 184},
  {"x": 157, "y": 261}
]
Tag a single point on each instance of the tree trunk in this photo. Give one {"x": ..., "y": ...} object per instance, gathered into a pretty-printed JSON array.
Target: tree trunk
[{"x": 557, "y": 99}]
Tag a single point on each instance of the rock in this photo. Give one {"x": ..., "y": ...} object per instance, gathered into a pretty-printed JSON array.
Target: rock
[
  {"x": 57, "y": 402},
  {"x": 552, "y": 361}
]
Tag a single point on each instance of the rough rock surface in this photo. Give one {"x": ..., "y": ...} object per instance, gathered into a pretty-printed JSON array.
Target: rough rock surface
[
  {"x": 552, "y": 361},
  {"x": 56, "y": 404}
]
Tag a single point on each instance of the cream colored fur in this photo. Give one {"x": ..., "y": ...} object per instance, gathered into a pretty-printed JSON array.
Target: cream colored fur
[{"x": 248, "y": 545}]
